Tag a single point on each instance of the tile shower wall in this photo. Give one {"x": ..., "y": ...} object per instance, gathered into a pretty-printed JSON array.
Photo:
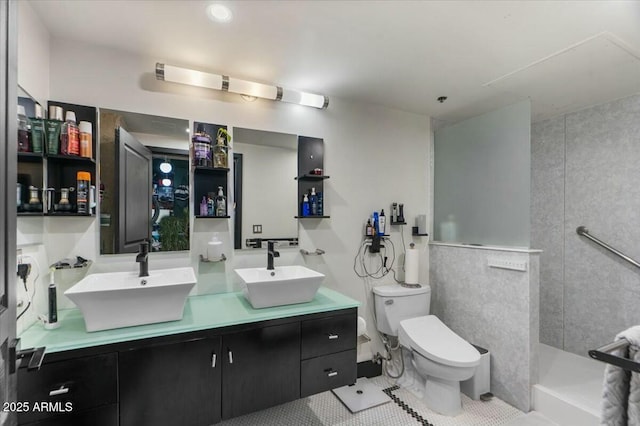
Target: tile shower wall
[
  {"x": 493, "y": 308},
  {"x": 585, "y": 172}
]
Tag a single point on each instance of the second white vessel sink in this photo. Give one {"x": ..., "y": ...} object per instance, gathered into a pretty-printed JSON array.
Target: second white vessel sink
[
  {"x": 284, "y": 285},
  {"x": 122, "y": 299}
]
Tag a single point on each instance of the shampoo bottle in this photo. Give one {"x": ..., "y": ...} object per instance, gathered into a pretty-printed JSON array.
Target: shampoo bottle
[
  {"x": 382, "y": 222},
  {"x": 305, "y": 205},
  {"x": 37, "y": 130},
  {"x": 53, "y": 129},
  {"x": 376, "y": 223}
]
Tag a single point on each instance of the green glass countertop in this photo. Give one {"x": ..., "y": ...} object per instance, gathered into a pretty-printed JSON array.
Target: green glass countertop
[{"x": 200, "y": 313}]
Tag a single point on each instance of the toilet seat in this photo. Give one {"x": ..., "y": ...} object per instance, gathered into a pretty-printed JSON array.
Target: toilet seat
[{"x": 429, "y": 337}]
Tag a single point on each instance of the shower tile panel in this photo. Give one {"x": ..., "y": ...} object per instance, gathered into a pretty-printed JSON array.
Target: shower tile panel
[{"x": 547, "y": 223}]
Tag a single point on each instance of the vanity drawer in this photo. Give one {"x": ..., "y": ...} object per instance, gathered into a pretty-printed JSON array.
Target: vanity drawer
[
  {"x": 327, "y": 372},
  {"x": 328, "y": 335},
  {"x": 82, "y": 382}
]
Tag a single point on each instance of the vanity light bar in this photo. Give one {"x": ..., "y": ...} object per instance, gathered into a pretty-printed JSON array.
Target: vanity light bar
[{"x": 225, "y": 83}]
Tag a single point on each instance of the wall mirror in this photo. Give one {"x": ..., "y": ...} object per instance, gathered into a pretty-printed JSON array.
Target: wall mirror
[
  {"x": 144, "y": 182},
  {"x": 265, "y": 164}
]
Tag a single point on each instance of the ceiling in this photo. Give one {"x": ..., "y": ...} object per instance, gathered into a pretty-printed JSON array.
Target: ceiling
[{"x": 563, "y": 55}]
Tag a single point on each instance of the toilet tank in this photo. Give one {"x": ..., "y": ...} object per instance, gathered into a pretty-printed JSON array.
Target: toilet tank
[{"x": 394, "y": 303}]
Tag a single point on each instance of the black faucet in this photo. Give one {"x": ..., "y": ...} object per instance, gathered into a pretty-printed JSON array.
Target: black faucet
[
  {"x": 143, "y": 259},
  {"x": 271, "y": 253}
]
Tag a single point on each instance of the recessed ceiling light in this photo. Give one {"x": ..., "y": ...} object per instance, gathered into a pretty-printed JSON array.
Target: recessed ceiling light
[{"x": 219, "y": 12}]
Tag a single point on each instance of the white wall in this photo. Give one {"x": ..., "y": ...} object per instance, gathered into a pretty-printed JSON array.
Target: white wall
[
  {"x": 374, "y": 155},
  {"x": 33, "y": 53},
  {"x": 33, "y": 76}
]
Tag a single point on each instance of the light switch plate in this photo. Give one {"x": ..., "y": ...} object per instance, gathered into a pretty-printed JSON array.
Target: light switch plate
[
  {"x": 257, "y": 229},
  {"x": 507, "y": 263}
]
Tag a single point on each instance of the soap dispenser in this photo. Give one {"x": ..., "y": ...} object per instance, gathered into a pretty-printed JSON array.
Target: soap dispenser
[{"x": 214, "y": 248}]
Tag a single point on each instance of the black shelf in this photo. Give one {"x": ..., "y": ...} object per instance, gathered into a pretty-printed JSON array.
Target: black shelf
[
  {"x": 212, "y": 217},
  {"x": 71, "y": 158},
  {"x": 312, "y": 217},
  {"x": 414, "y": 232},
  {"x": 32, "y": 214},
  {"x": 398, "y": 223},
  {"x": 205, "y": 169},
  {"x": 61, "y": 214},
  {"x": 311, "y": 177},
  {"x": 31, "y": 157},
  {"x": 381, "y": 236}
]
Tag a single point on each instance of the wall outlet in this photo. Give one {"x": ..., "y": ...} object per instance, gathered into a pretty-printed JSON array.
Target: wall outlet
[
  {"x": 257, "y": 229},
  {"x": 507, "y": 263}
]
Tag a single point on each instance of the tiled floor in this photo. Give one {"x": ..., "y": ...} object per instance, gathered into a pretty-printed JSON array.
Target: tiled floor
[{"x": 326, "y": 410}]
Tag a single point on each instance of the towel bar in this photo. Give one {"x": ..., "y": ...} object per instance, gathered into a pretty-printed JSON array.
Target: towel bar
[{"x": 604, "y": 354}]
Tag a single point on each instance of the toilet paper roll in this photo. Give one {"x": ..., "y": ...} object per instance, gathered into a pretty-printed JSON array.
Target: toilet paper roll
[
  {"x": 411, "y": 266},
  {"x": 362, "y": 326}
]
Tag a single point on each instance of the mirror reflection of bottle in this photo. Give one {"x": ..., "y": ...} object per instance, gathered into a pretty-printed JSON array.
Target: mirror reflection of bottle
[
  {"x": 23, "y": 131},
  {"x": 305, "y": 206},
  {"x": 37, "y": 130},
  {"x": 313, "y": 202},
  {"x": 221, "y": 203}
]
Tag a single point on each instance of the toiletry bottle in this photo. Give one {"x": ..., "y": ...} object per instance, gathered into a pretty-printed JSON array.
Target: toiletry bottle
[
  {"x": 82, "y": 194},
  {"x": 376, "y": 223},
  {"x": 313, "y": 202},
  {"x": 37, "y": 130},
  {"x": 210, "y": 206},
  {"x": 369, "y": 228},
  {"x": 203, "y": 206},
  {"x": 53, "y": 129},
  {"x": 401, "y": 212},
  {"x": 306, "y": 210},
  {"x": 221, "y": 203},
  {"x": 214, "y": 248},
  {"x": 320, "y": 204},
  {"x": 86, "y": 139},
  {"x": 220, "y": 151},
  {"x": 382, "y": 222},
  {"x": 23, "y": 131},
  {"x": 70, "y": 135},
  {"x": 394, "y": 212}
]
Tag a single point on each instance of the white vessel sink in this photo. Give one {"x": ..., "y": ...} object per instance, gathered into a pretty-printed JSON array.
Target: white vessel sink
[
  {"x": 284, "y": 285},
  {"x": 122, "y": 299}
]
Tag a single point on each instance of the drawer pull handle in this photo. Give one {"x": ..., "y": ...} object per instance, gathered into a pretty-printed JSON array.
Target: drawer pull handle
[
  {"x": 213, "y": 360},
  {"x": 60, "y": 391},
  {"x": 332, "y": 374},
  {"x": 333, "y": 336},
  {"x": 230, "y": 357}
]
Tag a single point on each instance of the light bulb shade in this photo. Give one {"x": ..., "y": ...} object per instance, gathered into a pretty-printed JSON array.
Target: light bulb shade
[
  {"x": 304, "y": 98},
  {"x": 187, "y": 76},
  {"x": 259, "y": 90},
  {"x": 166, "y": 167},
  {"x": 166, "y": 182}
]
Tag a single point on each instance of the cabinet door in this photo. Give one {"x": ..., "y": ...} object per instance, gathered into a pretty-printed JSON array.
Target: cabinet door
[
  {"x": 261, "y": 368},
  {"x": 172, "y": 384}
]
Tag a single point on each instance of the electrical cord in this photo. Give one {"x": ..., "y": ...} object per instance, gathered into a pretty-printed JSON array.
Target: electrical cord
[{"x": 26, "y": 290}]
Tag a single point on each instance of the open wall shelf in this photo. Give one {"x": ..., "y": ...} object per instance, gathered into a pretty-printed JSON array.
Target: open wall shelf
[
  {"x": 311, "y": 157},
  {"x": 206, "y": 180}
]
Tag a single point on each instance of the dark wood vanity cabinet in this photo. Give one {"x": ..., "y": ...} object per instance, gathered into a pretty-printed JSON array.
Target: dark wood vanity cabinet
[
  {"x": 68, "y": 392},
  {"x": 196, "y": 378},
  {"x": 170, "y": 384},
  {"x": 260, "y": 369}
]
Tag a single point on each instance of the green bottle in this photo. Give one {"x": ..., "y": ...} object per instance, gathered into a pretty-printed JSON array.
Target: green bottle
[
  {"x": 54, "y": 126},
  {"x": 37, "y": 130}
]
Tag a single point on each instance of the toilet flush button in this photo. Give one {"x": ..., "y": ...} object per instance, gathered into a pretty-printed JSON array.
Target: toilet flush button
[{"x": 388, "y": 302}]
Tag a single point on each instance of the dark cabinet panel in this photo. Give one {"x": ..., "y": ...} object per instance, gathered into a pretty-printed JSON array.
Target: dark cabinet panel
[
  {"x": 171, "y": 384},
  {"x": 328, "y": 335},
  {"x": 106, "y": 415},
  {"x": 328, "y": 372},
  {"x": 83, "y": 382},
  {"x": 261, "y": 369}
]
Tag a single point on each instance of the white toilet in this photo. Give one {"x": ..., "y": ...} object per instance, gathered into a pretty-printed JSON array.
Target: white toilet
[{"x": 435, "y": 358}]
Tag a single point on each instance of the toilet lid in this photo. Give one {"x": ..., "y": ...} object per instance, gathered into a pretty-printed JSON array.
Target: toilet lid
[{"x": 434, "y": 340}]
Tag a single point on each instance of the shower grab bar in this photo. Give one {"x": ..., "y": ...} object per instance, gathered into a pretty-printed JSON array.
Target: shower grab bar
[
  {"x": 583, "y": 231},
  {"x": 604, "y": 354}
]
